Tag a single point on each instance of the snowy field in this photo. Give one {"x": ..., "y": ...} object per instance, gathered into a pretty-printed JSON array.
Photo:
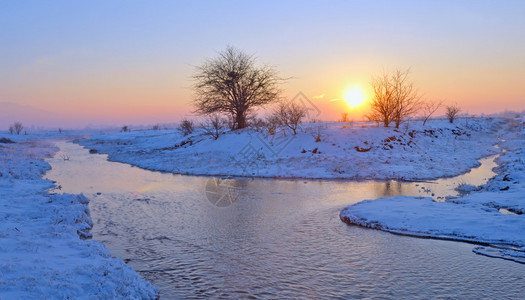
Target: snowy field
[
  {"x": 491, "y": 215},
  {"x": 43, "y": 250},
  {"x": 319, "y": 150}
]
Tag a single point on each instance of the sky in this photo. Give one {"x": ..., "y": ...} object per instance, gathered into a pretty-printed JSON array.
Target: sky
[{"x": 131, "y": 62}]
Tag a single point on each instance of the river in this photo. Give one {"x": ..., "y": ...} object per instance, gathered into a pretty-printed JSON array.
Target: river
[{"x": 200, "y": 237}]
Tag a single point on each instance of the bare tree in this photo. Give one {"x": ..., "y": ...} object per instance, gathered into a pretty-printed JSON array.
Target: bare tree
[
  {"x": 291, "y": 115},
  {"x": 429, "y": 108},
  {"x": 213, "y": 125},
  {"x": 382, "y": 104},
  {"x": 452, "y": 112},
  {"x": 186, "y": 127},
  {"x": 395, "y": 98},
  {"x": 406, "y": 97},
  {"x": 233, "y": 84},
  {"x": 125, "y": 128},
  {"x": 344, "y": 117},
  {"x": 17, "y": 127},
  {"x": 272, "y": 122}
]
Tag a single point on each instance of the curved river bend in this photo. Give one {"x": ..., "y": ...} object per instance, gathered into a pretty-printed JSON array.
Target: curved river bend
[{"x": 198, "y": 237}]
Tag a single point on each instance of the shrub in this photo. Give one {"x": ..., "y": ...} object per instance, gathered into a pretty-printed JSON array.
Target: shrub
[
  {"x": 257, "y": 124},
  {"x": 186, "y": 127},
  {"x": 17, "y": 127},
  {"x": 272, "y": 122},
  {"x": 214, "y": 125},
  {"x": 344, "y": 118},
  {"x": 452, "y": 112},
  {"x": 290, "y": 115}
]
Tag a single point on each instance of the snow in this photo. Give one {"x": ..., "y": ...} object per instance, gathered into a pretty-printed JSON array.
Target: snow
[
  {"x": 42, "y": 254},
  {"x": 43, "y": 250},
  {"x": 351, "y": 151},
  {"x": 491, "y": 215}
]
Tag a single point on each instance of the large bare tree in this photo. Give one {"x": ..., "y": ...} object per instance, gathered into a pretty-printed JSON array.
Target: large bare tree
[
  {"x": 233, "y": 84},
  {"x": 395, "y": 97}
]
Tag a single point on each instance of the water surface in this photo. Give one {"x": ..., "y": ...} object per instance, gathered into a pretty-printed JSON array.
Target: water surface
[{"x": 205, "y": 237}]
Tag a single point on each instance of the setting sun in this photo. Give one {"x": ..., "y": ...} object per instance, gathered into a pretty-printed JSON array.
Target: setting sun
[{"x": 354, "y": 96}]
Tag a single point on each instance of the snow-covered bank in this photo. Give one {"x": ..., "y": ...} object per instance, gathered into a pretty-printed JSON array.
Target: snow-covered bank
[
  {"x": 41, "y": 253},
  {"x": 492, "y": 214},
  {"x": 320, "y": 150}
]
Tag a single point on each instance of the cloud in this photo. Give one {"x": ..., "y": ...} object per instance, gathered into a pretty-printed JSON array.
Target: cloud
[{"x": 318, "y": 96}]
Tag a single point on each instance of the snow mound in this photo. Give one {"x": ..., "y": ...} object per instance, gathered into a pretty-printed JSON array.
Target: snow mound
[
  {"x": 423, "y": 217},
  {"x": 319, "y": 150},
  {"x": 42, "y": 254}
]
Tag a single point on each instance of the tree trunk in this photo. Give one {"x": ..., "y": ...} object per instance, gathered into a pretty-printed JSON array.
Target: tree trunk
[{"x": 240, "y": 119}]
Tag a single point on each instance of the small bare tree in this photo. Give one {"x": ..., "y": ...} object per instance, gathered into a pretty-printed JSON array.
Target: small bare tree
[
  {"x": 395, "y": 98},
  {"x": 429, "y": 108},
  {"x": 291, "y": 115},
  {"x": 125, "y": 128},
  {"x": 344, "y": 117},
  {"x": 233, "y": 84},
  {"x": 452, "y": 112},
  {"x": 213, "y": 125},
  {"x": 186, "y": 127},
  {"x": 272, "y": 122},
  {"x": 17, "y": 127}
]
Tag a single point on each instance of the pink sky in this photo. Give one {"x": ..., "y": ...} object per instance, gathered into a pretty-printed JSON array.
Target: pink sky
[{"x": 132, "y": 63}]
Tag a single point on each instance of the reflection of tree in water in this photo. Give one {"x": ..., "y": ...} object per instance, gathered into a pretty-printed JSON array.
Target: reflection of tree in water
[
  {"x": 390, "y": 188},
  {"x": 223, "y": 192}
]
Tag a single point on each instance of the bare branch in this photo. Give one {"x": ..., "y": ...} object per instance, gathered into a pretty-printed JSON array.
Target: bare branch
[{"x": 429, "y": 108}]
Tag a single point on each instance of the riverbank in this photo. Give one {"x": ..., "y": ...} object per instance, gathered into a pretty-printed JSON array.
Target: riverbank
[
  {"x": 44, "y": 252},
  {"x": 319, "y": 151},
  {"x": 491, "y": 215}
]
